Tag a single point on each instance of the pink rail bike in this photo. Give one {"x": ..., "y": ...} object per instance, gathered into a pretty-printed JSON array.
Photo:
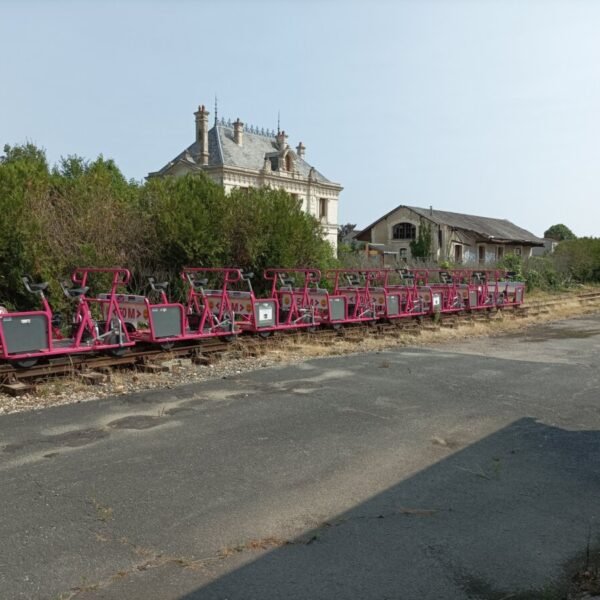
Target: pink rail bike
[
  {"x": 451, "y": 289},
  {"x": 28, "y": 336},
  {"x": 302, "y": 303},
  {"x": 153, "y": 319},
  {"x": 496, "y": 288},
  {"x": 209, "y": 309},
  {"x": 409, "y": 294},
  {"x": 355, "y": 286},
  {"x": 215, "y": 299}
]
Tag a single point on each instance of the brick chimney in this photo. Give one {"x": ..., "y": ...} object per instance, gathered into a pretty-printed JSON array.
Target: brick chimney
[
  {"x": 238, "y": 132},
  {"x": 281, "y": 140},
  {"x": 300, "y": 149},
  {"x": 202, "y": 133}
]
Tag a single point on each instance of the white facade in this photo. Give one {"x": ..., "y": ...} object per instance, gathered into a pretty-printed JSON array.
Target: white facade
[{"x": 236, "y": 157}]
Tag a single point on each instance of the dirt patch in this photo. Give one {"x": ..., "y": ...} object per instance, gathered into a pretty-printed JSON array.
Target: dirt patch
[
  {"x": 70, "y": 439},
  {"x": 137, "y": 422}
]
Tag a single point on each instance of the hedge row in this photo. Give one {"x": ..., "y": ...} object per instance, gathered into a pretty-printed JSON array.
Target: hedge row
[{"x": 85, "y": 213}]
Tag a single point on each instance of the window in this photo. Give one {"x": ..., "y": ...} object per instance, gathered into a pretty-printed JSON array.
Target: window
[
  {"x": 323, "y": 208},
  {"x": 481, "y": 254},
  {"x": 440, "y": 237},
  {"x": 518, "y": 251},
  {"x": 499, "y": 252},
  {"x": 458, "y": 254},
  {"x": 402, "y": 253},
  {"x": 404, "y": 231},
  {"x": 288, "y": 163}
]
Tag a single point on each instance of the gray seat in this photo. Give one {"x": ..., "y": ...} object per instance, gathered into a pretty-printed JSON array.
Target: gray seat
[
  {"x": 199, "y": 283},
  {"x": 34, "y": 287},
  {"x": 77, "y": 292},
  {"x": 38, "y": 287},
  {"x": 73, "y": 292}
]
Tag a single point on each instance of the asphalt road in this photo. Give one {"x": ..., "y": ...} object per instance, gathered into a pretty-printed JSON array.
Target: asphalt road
[{"x": 466, "y": 471}]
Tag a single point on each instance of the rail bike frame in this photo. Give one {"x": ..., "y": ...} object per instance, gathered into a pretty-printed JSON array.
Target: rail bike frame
[
  {"x": 355, "y": 286},
  {"x": 449, "y": 286},
  {"x": 414, "y": 296},
  {"x": 157, "y": 320},
  {"x": 209, "y": 312},
  {"x": 510, "y": 291},
  {"x": 307, "y": 304},
  {"x": 239, "y": 309},
  {"x": 497, "y": 289},
  {"x": 29, "y": 335}
]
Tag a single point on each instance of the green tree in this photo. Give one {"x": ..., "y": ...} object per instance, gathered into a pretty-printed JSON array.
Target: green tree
[
  {"x": 559, "y": 233},
  {"x": 86, "y": 213},
  {"x": 344, "y": 231},
  {"x": 24, "y": 179},
  {"x": 421, "y": 247}
]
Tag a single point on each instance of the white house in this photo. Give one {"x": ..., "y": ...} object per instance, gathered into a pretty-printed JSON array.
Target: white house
[{"x": 234, "y": 155}]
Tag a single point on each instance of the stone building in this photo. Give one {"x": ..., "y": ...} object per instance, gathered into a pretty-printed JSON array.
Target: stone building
[
  {"x": 456, "y": 237},
  {"x": 236, "y": 156}
]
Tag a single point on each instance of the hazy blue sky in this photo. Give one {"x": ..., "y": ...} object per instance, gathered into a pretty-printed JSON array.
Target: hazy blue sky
[{"x": 491, "y": 108}]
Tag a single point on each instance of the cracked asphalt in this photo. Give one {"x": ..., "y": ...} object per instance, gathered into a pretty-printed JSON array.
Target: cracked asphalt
[{"x": 463, "y": 471}]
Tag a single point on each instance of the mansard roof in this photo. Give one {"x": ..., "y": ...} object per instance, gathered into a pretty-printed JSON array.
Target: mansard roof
[
  {"x": 224, "y": 152},
  {"x": 496, "y": 230}
]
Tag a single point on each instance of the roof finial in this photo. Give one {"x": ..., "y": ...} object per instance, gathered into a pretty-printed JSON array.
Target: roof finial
[
  {"x": 278, "y": 120},
  {"x": 216, "y": 109}
]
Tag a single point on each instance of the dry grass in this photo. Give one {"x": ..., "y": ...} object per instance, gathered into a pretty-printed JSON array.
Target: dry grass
[
  {"x": 499, "y": 323},
  {"x": 253, "y": 546},
  {"x": 248, "y": 355}
]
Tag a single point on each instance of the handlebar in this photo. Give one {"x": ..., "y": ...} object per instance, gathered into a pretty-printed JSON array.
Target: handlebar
[
  {"x": 120, "y": 276},
  {"x": 311, "y": 275},
  {"x": 230, "y": 275}
]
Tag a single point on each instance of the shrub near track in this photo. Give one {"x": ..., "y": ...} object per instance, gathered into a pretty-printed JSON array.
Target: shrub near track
[{"x": 87, "y": 213}]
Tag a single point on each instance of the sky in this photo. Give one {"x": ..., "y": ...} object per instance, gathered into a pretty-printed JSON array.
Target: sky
[{"x": 482, "y": 107}]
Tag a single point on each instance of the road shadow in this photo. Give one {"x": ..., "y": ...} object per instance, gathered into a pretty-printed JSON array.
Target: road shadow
[{"x": 512, "y": 516}]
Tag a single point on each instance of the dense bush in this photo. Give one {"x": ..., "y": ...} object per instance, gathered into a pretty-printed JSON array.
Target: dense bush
[
  {"x": 82, "y": 213},
  {"x": 573, "y": 262}
]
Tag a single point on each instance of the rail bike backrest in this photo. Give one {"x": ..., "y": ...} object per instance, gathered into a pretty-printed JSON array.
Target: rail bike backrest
[
  {"x": 298, "y": 293},
  {"x": 107, "y": 304},
  {"x": 24, "y": 332},
  {"x": 508, "y": 290},
  {"x": 208, "y": 288},
  {"x": 154, "y": 318}
]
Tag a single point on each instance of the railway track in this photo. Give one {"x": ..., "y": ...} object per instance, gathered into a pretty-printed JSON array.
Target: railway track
[{"x": 92, "y": 369}]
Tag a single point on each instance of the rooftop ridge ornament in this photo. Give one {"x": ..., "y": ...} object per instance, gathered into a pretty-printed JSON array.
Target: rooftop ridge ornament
[{"x": 253, "y": 129}]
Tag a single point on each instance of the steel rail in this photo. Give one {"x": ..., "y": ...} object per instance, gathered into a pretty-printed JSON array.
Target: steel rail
[{"x": 144, "y": 355}]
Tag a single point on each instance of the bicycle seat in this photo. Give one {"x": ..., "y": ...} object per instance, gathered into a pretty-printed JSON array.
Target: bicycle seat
[
  {"x": 74, "y": 292},
  {"x": 198, "y": 283},
  {"x": 34, "y": 287},
  {"x": 38, "y": 287},
  {"x": 161, "y": 287}
]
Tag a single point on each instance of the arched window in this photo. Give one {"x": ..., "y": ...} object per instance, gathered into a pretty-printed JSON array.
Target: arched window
[
  {"x": 289, "y": 166},
  {"x": 404, "y": 231}
]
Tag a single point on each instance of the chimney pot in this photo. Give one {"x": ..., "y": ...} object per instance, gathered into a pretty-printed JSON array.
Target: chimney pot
[
  {"x": 202, "y": 132},
  {"x": 300, "y": 150},
  {"x": 238, "y": 132}
]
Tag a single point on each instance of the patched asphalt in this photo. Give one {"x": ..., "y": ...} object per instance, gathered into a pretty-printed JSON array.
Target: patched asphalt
[{"x": 465, "y": 471}]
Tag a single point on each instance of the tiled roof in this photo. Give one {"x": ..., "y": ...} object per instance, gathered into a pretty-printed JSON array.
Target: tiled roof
[
  {"x": 499, "y": 230},
  {"x": 223, "y": 151}
]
